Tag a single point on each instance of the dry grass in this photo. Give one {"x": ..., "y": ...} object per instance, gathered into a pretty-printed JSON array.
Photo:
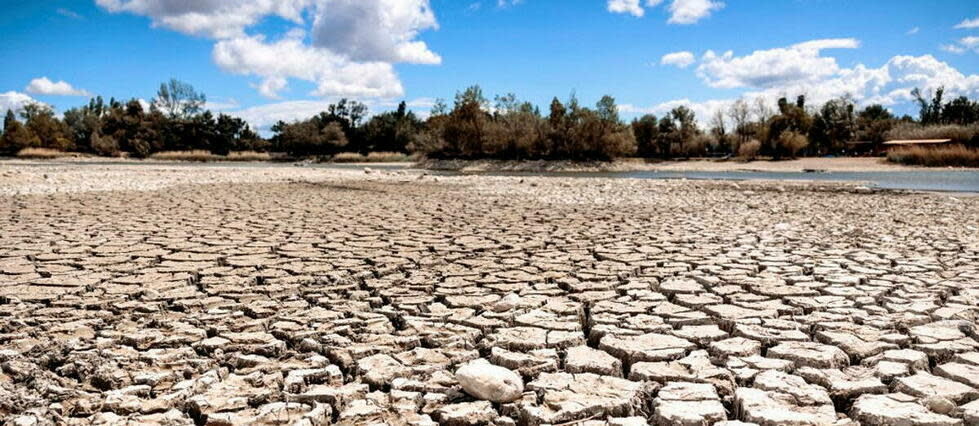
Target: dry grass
[
  {"x": 374, "y": 157},
  {"x": 204, "y": 155},
  {"x": 939, "y": 156},
  {"x": 955, "y": 132},
  {"x": 248, "y": 156},
  {"x": 193, "y": 155},
  {"x": 41, "y": 153}
]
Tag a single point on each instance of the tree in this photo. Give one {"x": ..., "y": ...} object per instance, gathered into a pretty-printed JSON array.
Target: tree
[
  {"x": 873, "y": 123},
  {"x": 738, "y": 112},
  {"x": 52, "y": 132},
  {"x": 391, "y": 131},
  {"x": 646, "y": 131},
  {"x": 961, "y": 111},
  {"x": 309, "y": 137},
  {"x": 178, "y": 100},
  {"x": 718, "y": 129},
  {"x": 16, "y": 136},
  {"x": 790, "y": 143},
  {"x": 84, "y": 122},
  {"x": 834, "y": 124}
]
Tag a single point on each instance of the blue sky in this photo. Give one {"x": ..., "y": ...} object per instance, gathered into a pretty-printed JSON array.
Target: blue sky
[{"x": 266, "y": 60}]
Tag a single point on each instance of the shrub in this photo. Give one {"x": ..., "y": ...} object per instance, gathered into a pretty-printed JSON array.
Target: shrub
[
  {"x": 749, "y": 150},
  {"x": 790, "y": 143},
  {"x": 141, "y": 148},
  {"x": 105, "y": 145},
  {"x": 939, "y": 156},
  {"x": 40, "y": 153}
]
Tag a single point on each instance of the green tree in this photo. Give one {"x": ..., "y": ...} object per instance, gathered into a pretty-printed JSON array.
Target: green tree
[
  {"x": 52, "y": 132},
  {"x": 16, "y": 136},
  {"x": 646, "y": 131},
  {"x": 178, "y": 100},
  {"x": 873, "y": 123}
]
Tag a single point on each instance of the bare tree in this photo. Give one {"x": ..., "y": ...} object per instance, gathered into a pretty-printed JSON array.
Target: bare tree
[
  {"x": 178, "y": 99},
  {"x": 763, "y": 112},
  {"x": 738, "y": 112}
]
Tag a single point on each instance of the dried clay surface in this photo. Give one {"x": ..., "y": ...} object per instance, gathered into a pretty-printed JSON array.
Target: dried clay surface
[{"x": 277, "y": 295}]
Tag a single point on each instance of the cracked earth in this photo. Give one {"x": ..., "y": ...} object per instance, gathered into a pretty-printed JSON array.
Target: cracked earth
[{"x": 183, "y": 295}]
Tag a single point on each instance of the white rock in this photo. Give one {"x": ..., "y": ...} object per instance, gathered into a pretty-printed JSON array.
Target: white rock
[{"x": 490, "y": 382}]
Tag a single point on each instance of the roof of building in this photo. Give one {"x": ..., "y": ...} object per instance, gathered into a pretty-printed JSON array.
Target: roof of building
[{"x": 917, "y": 141}]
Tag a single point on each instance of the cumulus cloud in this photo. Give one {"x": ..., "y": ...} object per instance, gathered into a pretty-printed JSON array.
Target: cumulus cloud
[
  {"x": 631, "y": 7},
  {"x": 889, "y": 84},
  {"x": 682, "y": 12},
  {"x": 209, "y": 18},
  {"x": 678, "y": 59},
  {"x": 780, "y": 67},
  {"x": 14, "y": 101},
  {"x": 44, "y": 86},
  {"x": 376, "y": 30},
  {"x": 350, "y": 51},
  {"x": 290, "y": 58},
  {"x": 690, "y": 11},
  {"x": 968, "y": 24}
]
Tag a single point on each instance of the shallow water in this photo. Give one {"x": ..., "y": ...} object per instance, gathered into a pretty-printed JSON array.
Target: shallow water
[
  {"x": 921, "y": 180},
  {"x": 925, "y": 180}
]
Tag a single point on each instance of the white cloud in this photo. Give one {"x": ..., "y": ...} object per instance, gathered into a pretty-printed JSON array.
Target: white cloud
[
  {"x": 952, "y": 48},
  {"x": 963, "y": 45},
  {"x": 210, "y": 18},
  {"x": 777, "y": 67},
  {"x": 631, "y": 7},
  {"x": 889, "y": 85},
  {"x": 14, "y": 101},
  {"x": 44, "y": 86},
  {"x": 690, "y": 11},
  {"x": 679, "y": 59},
  {"x": 271, "y": 86},
  {"x": 682, "y": 12},
  {"x": 376, "y": 30},
  {"x": 354, "y": 43},
  {"x": 264, "y": 116},
  {"x": 913, "y": 31},
  {"x": 290, "y": 58},
  {"x": 968, "y": 24}
]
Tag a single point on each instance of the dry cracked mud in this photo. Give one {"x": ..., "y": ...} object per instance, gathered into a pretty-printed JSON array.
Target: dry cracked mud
[{"x": 206, "y": 295}]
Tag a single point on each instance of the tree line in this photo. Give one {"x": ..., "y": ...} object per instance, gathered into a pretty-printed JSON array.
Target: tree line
[{"x": 504, "y": 128}]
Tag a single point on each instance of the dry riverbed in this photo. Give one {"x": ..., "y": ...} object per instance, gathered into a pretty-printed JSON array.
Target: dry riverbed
[{"x": 277, "y": 295}]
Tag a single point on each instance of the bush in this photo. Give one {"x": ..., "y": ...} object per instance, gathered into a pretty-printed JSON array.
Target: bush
[
  {"x": 790, "y": 143},
  {"x": 938, "y": 156},
  {"x": 749, "y": 150},
  {"x": 105, "y": 145},
  {"x": 957, "y": 133}
]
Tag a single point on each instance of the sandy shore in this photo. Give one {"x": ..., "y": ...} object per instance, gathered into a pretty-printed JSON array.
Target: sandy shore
[{"x": 163, "y": 294}]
